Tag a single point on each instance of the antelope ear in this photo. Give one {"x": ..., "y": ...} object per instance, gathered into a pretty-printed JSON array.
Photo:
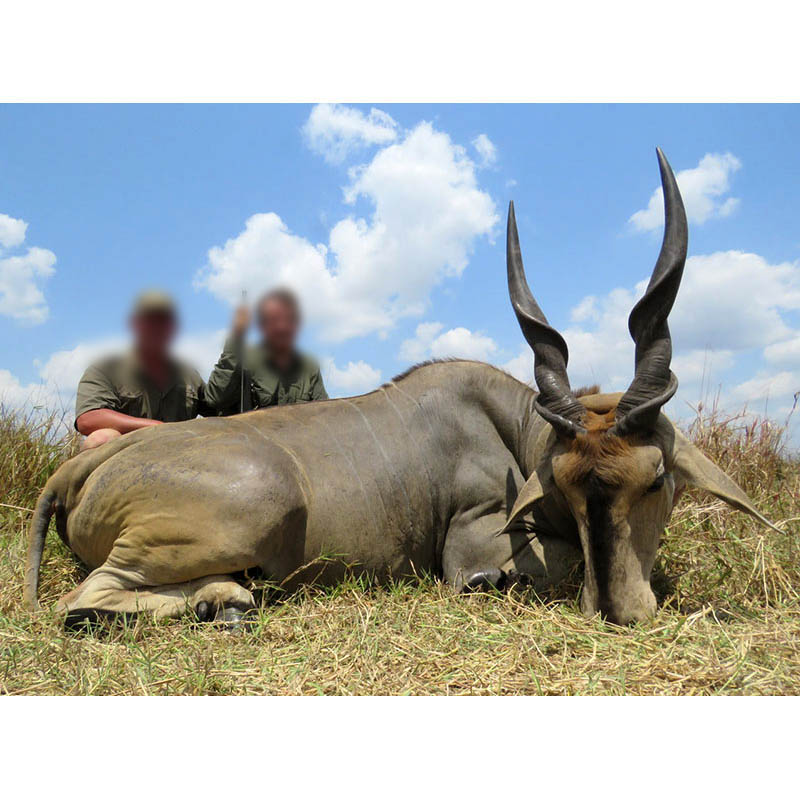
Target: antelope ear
[
  {"x": 692, "y": 468},
  {"x": 532, "y": 491}
]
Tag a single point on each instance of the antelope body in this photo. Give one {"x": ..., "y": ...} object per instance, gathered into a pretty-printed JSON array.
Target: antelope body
[{"x": 454, "y": 468}]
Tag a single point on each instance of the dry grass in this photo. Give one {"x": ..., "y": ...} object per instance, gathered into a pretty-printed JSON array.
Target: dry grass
[{"x": 729, "y": 621}]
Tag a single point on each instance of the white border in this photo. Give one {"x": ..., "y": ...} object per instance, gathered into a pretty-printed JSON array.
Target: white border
[
  {"x": 405, "y": 748},
  {"x": 384, "y": 52},
  {"x": 415, "y": 50}
]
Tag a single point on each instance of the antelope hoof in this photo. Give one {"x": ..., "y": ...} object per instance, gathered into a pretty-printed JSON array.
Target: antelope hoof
[
  {"x": 485, "y": 581},
  {"x": 234, "y": 619},
  {"x": 83, "y": 620}
]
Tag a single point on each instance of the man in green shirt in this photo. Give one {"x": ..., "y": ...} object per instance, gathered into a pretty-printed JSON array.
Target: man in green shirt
[
  {"x": 276, "y": 373},
  {"x": 143, "y": 387}
]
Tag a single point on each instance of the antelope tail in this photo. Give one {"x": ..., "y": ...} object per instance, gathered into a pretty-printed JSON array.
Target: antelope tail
[{"x": 36, "y": 538}]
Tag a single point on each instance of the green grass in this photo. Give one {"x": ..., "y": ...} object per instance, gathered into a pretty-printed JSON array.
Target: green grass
[{"x": 728, "y": 621}]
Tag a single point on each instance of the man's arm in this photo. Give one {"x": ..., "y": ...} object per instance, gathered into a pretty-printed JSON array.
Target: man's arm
[
  {"x": 317, "y": 386},
  {"x": 94, "y": 420},
  {"x": 223, "y": 387},
  {"x": 97, "y": 403}
]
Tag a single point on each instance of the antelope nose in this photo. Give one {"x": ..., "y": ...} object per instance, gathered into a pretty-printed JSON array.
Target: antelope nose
[
  {"x": 631, "y": 613},
  {"x": 625, "y": 615},
  {"x": 625, "y": 618}
]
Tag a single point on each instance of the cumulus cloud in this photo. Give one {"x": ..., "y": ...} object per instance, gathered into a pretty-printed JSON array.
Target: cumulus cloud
[
  {"x": 28, "y": 398},
  {"x": 695, "y": 367},
  {"x": 731, "y": 306},
  {"x": 201, "y": 349},
  {"x": 734, "y": 300},
  {"x": 463, "y": 343},
  {"x": 430, "y": 342},
  {"x": 729, "y": 301},
  {"x": 703, "y": 189},
  {"x": 418, "y": 348},
  {"x": 763, "y": 387},
  {"x": 61, "y": 371},
  {"x": 334, "y": 131},
  {"x": 12, "y": 231},
  {"x": 701, "y": 368},
  {"x": 58, "y": 376},
  {"x": 21, "y": 297},
  {"x": 521, "y": 366},
  {"x": 64, "y": 368},
  {"x": 21, "y": 275},
  {"x": 485, "y": 149},
  {"x": 357, "y": 377},
  {"x": 428, "y": 211},
  {"x": 785, "y": 353}
]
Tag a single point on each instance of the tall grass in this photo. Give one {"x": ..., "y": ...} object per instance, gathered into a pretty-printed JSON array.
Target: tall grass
[
  {"x": 729, "y": 617},
  {"x": 32, "y": 446}
]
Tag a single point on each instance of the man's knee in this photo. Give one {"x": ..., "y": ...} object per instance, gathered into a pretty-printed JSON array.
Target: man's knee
[{"x": 98, "y": 437}]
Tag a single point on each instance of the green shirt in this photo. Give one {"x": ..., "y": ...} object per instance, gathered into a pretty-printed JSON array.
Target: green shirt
[
  {"x": 265, "y": 384},
  {"x": 117, "y": 383}
]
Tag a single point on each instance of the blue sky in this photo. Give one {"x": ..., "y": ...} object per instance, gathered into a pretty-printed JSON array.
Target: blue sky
[{"x": 390, "y": 221}]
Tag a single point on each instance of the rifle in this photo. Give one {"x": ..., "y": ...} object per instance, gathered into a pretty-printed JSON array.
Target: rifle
[{"x": 242, "y": 377}]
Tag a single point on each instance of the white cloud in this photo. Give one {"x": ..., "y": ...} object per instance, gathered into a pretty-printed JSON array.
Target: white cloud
[
  {"x": 16, "y": 396},
  {"x": 785, "y": 353},
  {"x": 21, "y": 297},
  {"x": 767, "y": 387},
  {"x": 427, "y": 213},
  {"x": 63, "y": 369},
  {"x": 733, "y": 300},
  {"x": 12, "y": 231},
  {"x": 357, "y": 377},
  {"x": 21, "y": 275},
  {"x": 201, "y": 349},
  {"x": 701, "y": 367},
  {"x": 600, "y": 348},
  {"x": 463, "y": 343},
  {"x": 334, "y": 131},
  {"x": 430, "y": 342},
  {"x": 521, "y": 366},
  {"x": 54, "y": 392},
  {"x": 418, "y": 348},
  {"x": 728, "y": 302},
  {"x": 586, "y": 310},
  {"x": 729, "y": 305},
  {"x": 486, "y": 150},
  {"x": 702, "y": 189}
]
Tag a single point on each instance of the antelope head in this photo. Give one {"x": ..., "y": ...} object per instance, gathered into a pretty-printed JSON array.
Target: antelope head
[{"x": 615, "y": 460}]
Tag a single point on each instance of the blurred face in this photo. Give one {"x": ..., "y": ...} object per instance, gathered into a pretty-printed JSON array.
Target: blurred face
[
  {"x": 279, "y": 326},
  {"x": 153, "y": 333}
]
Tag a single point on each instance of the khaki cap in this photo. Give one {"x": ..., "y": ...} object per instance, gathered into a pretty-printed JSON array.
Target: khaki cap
[{"x": 154, "y": 301}]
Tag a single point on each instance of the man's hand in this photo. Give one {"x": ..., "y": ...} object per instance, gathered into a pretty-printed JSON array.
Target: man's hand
[{"x": 241, "y": 321}]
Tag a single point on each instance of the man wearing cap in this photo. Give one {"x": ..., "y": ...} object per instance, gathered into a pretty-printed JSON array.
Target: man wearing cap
[
  {"x": 276, "y": 372},
  {"x": 143, "y": 387}
]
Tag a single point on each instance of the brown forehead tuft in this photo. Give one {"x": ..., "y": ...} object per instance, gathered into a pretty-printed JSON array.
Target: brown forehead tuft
[
  {"x": 598, "y": 454},
  {"x": 595, "y": 422}
]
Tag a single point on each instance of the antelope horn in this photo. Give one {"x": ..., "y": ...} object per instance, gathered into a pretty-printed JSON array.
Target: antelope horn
[
  {"x": 555, "y": 402},
  {"x": 654, "y": 383}
]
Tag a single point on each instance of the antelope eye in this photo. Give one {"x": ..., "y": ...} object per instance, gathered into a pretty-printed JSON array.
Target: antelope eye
[{"x": 656, "y": 484}]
